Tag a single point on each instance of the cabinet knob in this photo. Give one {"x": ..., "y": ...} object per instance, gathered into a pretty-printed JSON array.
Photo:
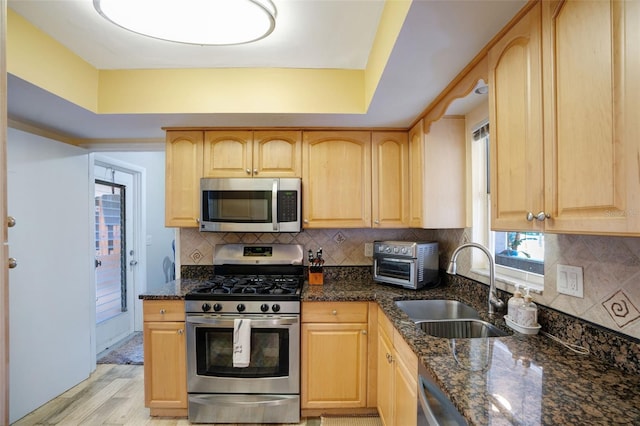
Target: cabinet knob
[
  {"x": 334, "y": 312},
  {"x": 163, "y": 311},
  {"x": 255, "y": 171},
  {"x": 180, "y": 332},
  {"x": 11, "y": 221},
  {"x": 248, "y": 171},
  {"x": 306, "y": 221},
  {"x": 364, "y": 332},
  {"x": 541, "y": 216},
  {"x": 12, "y": 262},
  {"x": 377, "y": 222}
]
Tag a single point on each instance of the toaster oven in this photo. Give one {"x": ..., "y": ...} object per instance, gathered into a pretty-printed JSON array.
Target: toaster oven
[{"x": 407, "y": 264}]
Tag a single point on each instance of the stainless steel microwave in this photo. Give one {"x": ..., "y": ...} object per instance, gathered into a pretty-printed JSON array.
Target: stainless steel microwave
[{"x": 250, "y": 204}]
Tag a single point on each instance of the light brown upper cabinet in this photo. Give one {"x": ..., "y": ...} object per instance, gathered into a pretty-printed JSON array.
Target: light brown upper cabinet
[
  {"x": 437, "y": 163},
  {"x": 390, "y": 184},
  {"x": 580, "y": 175},
  {"x": 515, "y": 110},
  {"x": 591, "y": 77},
  {"x": 182, "y": 180},
  {"x": 246, "y": 153},
  {"x": 336, "y": 179}
]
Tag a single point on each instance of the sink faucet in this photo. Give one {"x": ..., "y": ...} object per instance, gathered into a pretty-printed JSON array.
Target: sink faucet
[{"x": 494, "y": 301}]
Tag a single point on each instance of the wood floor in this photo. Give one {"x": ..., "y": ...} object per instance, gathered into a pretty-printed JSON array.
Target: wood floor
[{"x": 112, "y": 395}]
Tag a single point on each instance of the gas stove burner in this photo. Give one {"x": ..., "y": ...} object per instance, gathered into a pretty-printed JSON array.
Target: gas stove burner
[
  {"x": 216, "y": 288},
  {"x": 249, "y": 286}
]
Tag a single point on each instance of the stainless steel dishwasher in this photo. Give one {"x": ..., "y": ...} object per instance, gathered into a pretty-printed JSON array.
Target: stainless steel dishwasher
[{"x": 434, "y": 408}]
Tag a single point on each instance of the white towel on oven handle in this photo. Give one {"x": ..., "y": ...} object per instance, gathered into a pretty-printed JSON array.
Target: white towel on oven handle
[{"x": 241, "y": 342}]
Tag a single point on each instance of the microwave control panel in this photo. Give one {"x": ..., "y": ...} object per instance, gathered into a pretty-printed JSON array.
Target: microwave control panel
[{"x": 287, "y": 206}]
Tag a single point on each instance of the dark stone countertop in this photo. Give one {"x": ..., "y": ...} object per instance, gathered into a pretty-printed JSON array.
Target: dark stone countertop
[{"x": 513, "y": 380}]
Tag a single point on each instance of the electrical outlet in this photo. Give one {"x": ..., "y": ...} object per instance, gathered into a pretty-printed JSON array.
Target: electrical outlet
[
  {"x": 368, "y": 249},
  {"x": 569, "y": 280}
]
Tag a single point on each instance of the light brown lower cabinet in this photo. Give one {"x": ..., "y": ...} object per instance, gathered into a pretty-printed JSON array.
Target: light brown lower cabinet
[
  {"x": 334, "y": 352},
  {"x": 397, "y": 376},
  {"x": 165, "y": 361}
]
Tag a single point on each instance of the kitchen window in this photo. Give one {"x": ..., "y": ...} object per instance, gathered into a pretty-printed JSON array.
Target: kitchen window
[{"x": 519, "y": 256}]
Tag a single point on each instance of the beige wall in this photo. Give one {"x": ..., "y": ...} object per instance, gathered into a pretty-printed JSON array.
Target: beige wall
[
  {"x": 611, "y": 271},
  {"x": 611, "y": 265},
  {"x": 339, "y": 246}
]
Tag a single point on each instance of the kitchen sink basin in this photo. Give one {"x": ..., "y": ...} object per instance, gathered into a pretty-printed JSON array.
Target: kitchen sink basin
[
  {"x": 461, "y": 328},
  {"x": 423, "y": 310}
]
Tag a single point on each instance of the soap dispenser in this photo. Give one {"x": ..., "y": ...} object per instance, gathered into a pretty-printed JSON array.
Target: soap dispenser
[
  {"x": 528, "y": 312},
  {"x": 514, "y": 304}
]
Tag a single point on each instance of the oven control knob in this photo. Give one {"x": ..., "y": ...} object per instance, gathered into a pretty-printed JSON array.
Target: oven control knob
[
  {"x": 264, "y": 307},
  {"x": 240, "y": 307},
  {"x": 217, "y": 307},
  {"x": 276, "y": 308},
  {"x": 206, "y": 307}
]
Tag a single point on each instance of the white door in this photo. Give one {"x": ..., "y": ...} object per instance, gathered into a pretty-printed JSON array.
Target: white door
[
  {"x": 50, "y": 308},
  {"x": 116, "y": 254}
]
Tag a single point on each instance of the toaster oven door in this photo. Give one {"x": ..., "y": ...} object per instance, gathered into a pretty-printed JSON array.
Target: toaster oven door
[{"x": 394, "y": 270}]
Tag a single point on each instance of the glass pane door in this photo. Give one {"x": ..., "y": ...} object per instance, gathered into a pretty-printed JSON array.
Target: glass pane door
[{"x": 110, "y": 256}]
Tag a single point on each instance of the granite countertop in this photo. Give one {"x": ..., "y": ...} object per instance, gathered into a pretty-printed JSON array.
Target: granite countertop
[{"x": 512, "y": 380}]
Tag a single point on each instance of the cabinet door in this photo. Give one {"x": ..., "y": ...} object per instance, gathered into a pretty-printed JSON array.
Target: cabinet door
[
  {"x": 182, "y": 181},
  {"x": 336, "y": 169},
  {"x": 385, "y": 379},
  {"x": 405, "y": 397},
  {"x": 165, "y": 367},
  {"x": 277, "y": 154},
  {"x": 416, "y": 171},
  {"x": 515, "y": 110},
  {"x": 228, "y": 153},
  {"x": 334, "y": 365},
  {"x": 405, "y": 382},
  {"x": 592, "y": 166},
  {"x": 444, "y": 187},
  {"x": 390, "y": 193}
]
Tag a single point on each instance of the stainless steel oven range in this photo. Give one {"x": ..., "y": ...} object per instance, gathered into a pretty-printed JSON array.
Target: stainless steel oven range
[{"x": 243, "y": 336}]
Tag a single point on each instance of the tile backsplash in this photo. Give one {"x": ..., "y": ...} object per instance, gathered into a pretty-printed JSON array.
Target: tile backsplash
[{"x": 611, "y": 265}]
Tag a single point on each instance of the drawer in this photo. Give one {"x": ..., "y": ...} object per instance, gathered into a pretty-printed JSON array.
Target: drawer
[
  {"x": 328, "y": 312},
  {"x": 163, "y": 310},
  {"x": 385, "y": 324}
]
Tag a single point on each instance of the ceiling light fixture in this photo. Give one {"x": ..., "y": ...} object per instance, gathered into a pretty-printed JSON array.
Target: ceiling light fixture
[{"x": 203, "y": 22}]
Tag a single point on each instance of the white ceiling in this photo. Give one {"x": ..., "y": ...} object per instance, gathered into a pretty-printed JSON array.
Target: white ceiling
[{"x": 438, "y": 38}]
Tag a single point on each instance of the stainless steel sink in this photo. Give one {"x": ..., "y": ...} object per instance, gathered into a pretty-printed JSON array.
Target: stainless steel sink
[
  {"x": 437, "y": 309},
  {"x": 461, "y": 328}
]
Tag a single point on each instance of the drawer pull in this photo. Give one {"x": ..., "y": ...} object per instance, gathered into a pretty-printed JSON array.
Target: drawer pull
[
  {"x": 163, "y": 311},
  {"x": 334, "y": 312}
]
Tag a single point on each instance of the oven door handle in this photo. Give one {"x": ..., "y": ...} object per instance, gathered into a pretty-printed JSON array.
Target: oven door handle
[
  {"x": 274, "y": 204},
  {"x": 395, "y": 260},
  {"x": 258, "y": 323}
]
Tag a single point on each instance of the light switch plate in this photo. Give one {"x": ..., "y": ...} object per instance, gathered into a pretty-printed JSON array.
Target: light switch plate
[{"x": 569, "y": 280}]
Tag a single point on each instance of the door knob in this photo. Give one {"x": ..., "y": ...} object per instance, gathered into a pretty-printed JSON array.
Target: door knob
[{"x": 12, "y": 262}]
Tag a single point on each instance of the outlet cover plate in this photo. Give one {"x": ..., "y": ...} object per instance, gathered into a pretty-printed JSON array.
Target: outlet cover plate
[
  {"x": 368, "y": 249},
  {"x": 569, "y": 280}
]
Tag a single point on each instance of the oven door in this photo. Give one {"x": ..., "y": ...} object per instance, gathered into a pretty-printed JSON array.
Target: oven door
[
  {"x": 394, "y": 270},
  {"x": 274, "y": 365}
]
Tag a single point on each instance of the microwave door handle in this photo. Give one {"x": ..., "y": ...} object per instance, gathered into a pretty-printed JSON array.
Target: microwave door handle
[{"x": 274, "y": 205}]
